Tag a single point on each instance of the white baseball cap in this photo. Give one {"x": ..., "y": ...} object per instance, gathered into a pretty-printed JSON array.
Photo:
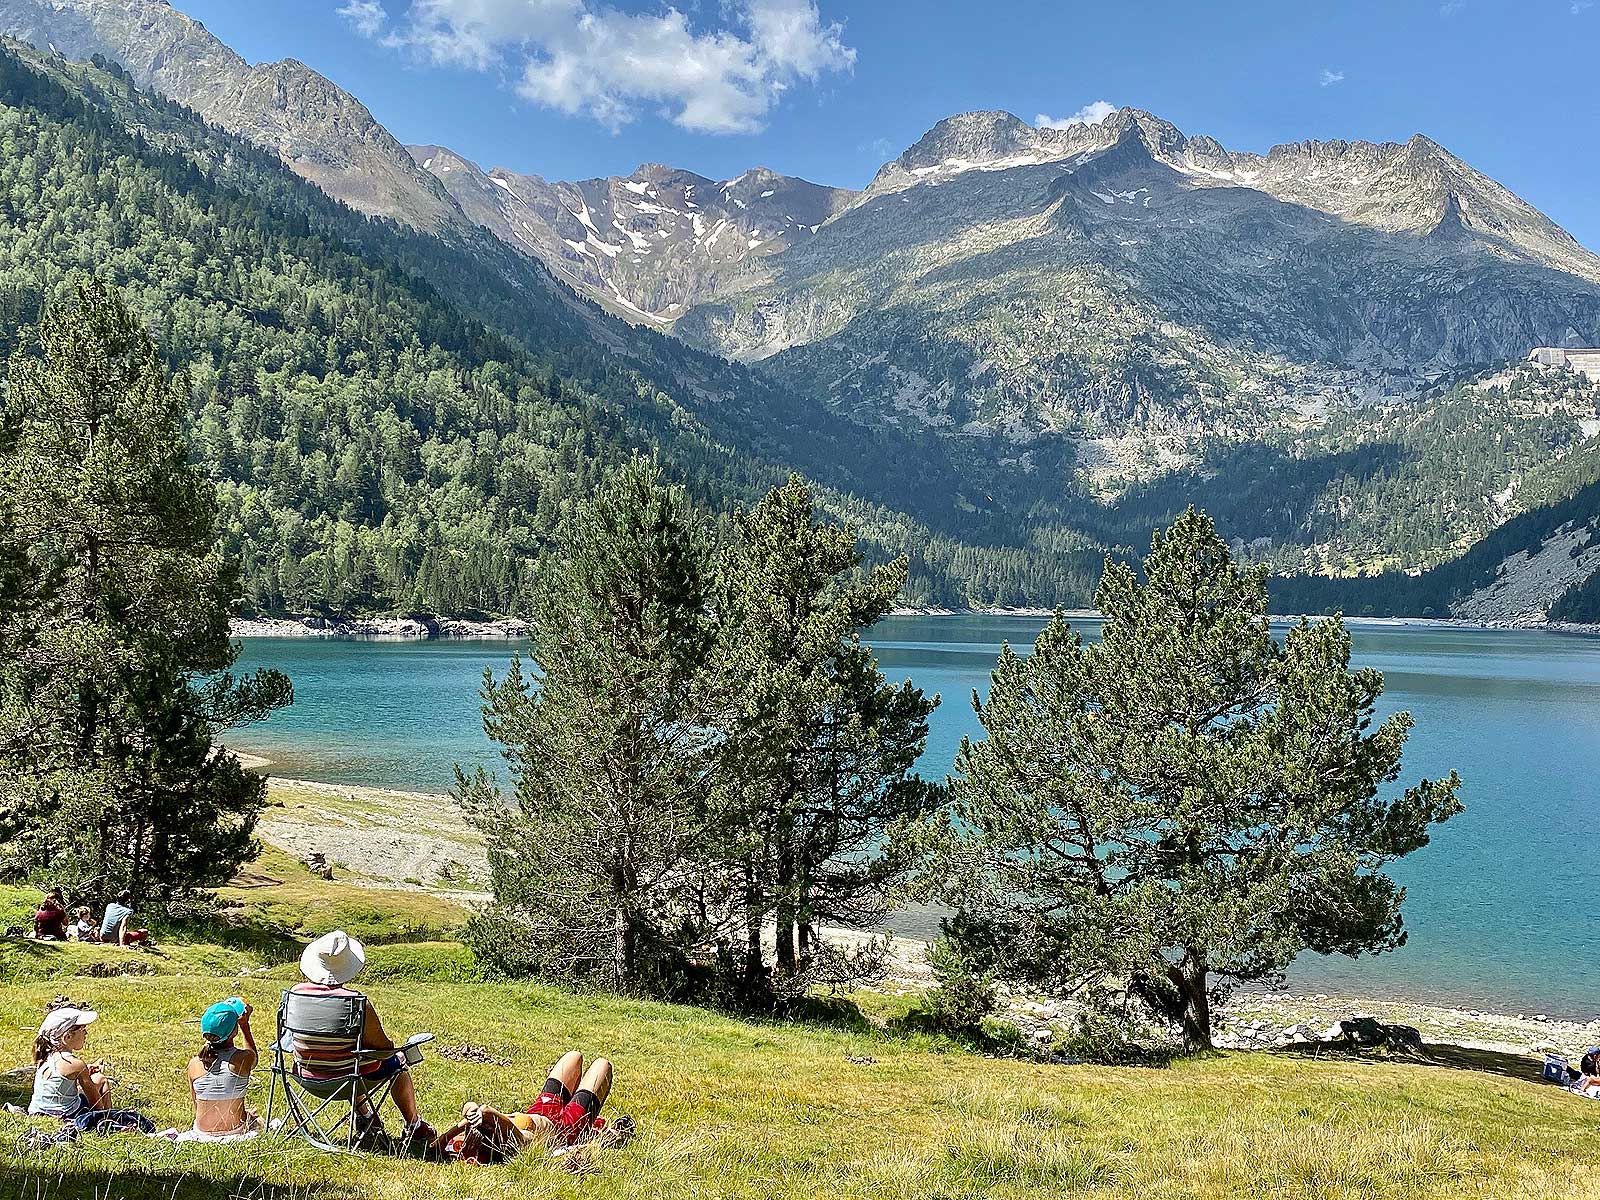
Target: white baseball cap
[{"x": 59, "y": 1021}]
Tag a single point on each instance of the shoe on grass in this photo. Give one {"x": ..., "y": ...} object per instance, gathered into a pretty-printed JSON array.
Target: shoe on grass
[{"x": 417, "y": 1139}]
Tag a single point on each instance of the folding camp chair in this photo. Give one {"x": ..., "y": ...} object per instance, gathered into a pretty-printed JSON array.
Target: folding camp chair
[{"x": 317, "y": 1059}]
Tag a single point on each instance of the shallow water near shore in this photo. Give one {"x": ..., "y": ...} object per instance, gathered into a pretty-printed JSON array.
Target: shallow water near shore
[{"x": 1499, "y": 907}]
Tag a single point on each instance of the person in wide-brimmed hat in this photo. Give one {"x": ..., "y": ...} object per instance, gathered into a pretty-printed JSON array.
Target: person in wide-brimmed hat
[{"x": 329, "y": 964}]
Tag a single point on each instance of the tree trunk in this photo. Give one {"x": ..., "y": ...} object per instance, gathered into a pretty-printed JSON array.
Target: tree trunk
[
  {"x": 787, "y": 960},
  {"x": 619, "y": 947},
  {"x": 753, "y": 963},
  {"x": 1195, "y": 1015},
  {"x": 624, "y": 935},
  {"x": 89, "y": 709}
]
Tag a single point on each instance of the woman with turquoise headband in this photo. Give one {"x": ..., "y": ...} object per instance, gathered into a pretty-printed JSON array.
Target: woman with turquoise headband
[{"x": 219, "y": 1075}]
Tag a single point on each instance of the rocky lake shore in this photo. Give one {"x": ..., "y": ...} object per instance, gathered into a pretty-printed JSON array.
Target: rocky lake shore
[
  {"x": 380, "y": 628},
  {"x": 420, "y": 628}
]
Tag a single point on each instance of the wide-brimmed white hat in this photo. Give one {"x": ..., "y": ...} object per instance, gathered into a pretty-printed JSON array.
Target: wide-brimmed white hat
[
  {"x": 333, "y": 959},
  {"x": 58, "y": 1022}
]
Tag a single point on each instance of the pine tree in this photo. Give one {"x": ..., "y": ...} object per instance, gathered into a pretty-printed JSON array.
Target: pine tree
[
  {"x": 822, "y": 748},
  {"x": 610, "y": 744},
  {"x": 122, "y": 677},
  {"x": 1188, "y": 804}
]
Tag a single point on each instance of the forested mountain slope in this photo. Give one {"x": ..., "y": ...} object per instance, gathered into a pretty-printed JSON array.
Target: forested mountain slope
[
  {"x": 382, "y": 444},
  {"x": 1017, "y": 348},
  {"x": 1541, "y": 563},
  {"x": 321, "y": 131},
  {"x": 1394, "y": 484}
]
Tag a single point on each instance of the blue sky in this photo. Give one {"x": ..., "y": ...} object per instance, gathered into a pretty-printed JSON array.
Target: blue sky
[{"x": 830, "y": 89}]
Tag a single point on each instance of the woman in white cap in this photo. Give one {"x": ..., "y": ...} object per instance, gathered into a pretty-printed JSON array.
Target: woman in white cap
[
  {"x": 329, "y": 964},
  {"x": 63, "y": 1084}
]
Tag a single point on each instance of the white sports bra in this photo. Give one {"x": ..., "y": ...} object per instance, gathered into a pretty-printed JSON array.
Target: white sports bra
[{"x": 219, "y": 1083}]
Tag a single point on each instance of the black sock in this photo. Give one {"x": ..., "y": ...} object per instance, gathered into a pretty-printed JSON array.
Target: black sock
[
  {"x": 586, "y": 1100},
  {"x": 554, "y": 1087}
]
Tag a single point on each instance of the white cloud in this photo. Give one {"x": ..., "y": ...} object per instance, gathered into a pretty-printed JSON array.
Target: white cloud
[
  {"x": 583, "y": 58},
  {"x": 1329, "y": 78},
  {"x": 1451, "y": 7},
  {"x": 1089, "y": 114},
  {"x": 366, "y": 17},
  {"x": 1580, "y": 6}
]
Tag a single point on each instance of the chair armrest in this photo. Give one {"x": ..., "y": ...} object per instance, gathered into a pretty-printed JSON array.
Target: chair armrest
[{"x": 417, "y": 1039}]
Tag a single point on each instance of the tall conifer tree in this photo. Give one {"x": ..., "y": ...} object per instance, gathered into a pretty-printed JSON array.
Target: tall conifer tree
[
  {"x": 597, "y": 855},
  {"x": 121, "y": 679},
  {"x": 822, "y": 746},
  {"x": 1188, "y": 804}
]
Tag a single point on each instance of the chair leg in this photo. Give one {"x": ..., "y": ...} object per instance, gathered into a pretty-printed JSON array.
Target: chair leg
[{"x": 361, "y": 1114}]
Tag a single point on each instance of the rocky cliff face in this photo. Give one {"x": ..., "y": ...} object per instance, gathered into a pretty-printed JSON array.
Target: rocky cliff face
[
  {"x": 648, "y": 245},
  {"x": 321, "y": 131},
  {"x": 1123, "y": 278}
]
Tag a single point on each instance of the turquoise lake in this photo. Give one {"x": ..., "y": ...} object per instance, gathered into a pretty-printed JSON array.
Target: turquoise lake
[{"x": 1499, "y": 906}]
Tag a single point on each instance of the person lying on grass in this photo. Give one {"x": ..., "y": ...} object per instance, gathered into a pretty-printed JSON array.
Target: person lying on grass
[
  {"x": 572, "y": 1097},
  {"x": 63, "y": 1084},
  {"x": 566, "y": 1111},
  {"x": 329, "y": 964},
  {"x": 219, "y": 1075},
  {"x": 486, "y": 1136}
]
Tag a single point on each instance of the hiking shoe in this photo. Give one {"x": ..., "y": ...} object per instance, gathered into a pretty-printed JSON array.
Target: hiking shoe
[
  {"x": 43, "y": 1139},
  {"x": 417, "y": 1139},
  {"x": 619, "y": 1133}
]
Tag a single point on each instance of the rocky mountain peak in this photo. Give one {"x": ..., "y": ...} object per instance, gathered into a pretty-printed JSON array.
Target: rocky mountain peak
[
  {"x": 1208, "y": 154},
  {"x": 654, "y": 172},
  {"x": 973, "y": 136},
  {"x": 645, "y": 245},
  {"x": 1131, "y": 152},
  {"x": 1161, "y": 136}
]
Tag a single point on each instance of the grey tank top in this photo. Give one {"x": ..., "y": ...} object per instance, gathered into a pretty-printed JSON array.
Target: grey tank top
[
  {"x": 219, "y": 1083},
  {"x": 53, "y": 1093}
]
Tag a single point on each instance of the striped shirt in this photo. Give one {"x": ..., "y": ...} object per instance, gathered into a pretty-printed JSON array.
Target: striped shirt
[{"x": 326, "y": 1056}]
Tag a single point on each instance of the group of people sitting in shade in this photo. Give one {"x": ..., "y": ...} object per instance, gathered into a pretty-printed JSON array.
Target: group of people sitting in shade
[
  {"x": 50, "y": 922},
  {"x": 68, "y": 1086}
]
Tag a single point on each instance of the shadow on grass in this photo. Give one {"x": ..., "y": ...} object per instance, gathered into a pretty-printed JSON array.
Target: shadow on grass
[
  {"x": 1456, "y": 1058},
  {"x": 31, "y": 947},
  {"x": 50, "y": 1179},
  {"x": 16, "y": 1087},
  {"x": 270, "y": 942},
  {"x": 828, "y": 1012},
  {"x": 1488, "y": 1062}
]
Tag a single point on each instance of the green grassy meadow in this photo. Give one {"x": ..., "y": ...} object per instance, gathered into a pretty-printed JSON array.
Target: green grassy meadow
[{"x": 730, "y": 1108}]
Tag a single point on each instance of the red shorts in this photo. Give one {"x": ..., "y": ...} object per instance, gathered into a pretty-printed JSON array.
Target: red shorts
[
  {"x": 566, "y": 1116},
  {"x": 547, "y": 1106}
]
